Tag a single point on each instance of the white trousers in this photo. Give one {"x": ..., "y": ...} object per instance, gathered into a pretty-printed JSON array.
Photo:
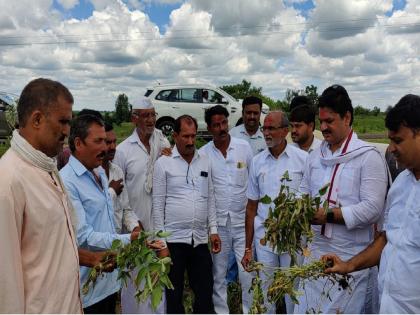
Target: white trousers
[
  {"x": 129, "y": 303},
  {"x": 232, "y": 237},
  {"x": 270, "y": 260}
]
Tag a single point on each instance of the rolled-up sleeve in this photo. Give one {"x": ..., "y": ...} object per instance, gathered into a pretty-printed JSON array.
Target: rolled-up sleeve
[
  {"x": 86, "y": 235},
  {"x": 373, "y": 188}
]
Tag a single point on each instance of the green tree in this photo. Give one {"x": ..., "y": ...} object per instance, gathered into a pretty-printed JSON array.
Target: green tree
[
  {"x": 312, "y": 93},
  {"x": 376, "y": 111},
  {"x": 242, "y": 90},
  {"x": 122, "y": 109},
  {"x": 360, "y": 110}
]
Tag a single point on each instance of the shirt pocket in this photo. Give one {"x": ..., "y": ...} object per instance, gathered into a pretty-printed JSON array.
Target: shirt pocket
[
  {"x": 346, "y": 181},
  {"x": 240, "y": 176},
  {"x": 204, "y": 186}
]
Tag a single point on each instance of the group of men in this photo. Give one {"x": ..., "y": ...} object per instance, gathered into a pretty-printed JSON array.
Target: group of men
[{"x": 53, "y": 222}]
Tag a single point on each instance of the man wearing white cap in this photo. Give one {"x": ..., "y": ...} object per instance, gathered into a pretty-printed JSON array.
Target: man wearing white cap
[{"x": 136, "y": 156}]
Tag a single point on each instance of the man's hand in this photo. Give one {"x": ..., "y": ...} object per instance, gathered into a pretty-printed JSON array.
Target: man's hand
[
  {"x": 320, "y": 217},
  {"x": 104, "y": 261},
  {"x": 216, "y": 243},
  {"x": 134, "y": 234},
  {"x": 117, "y": 186},
  {"x": 336, "y": 265},
  {"x": 167, "y": 151},
  {"x": 160, "y": 247},
  {"x": 246, "y": 259}
]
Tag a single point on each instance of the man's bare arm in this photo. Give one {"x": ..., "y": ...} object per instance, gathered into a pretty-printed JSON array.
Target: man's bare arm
[{"x": 367, "y": 258}]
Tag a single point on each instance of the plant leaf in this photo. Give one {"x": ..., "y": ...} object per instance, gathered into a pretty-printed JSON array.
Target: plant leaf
[{"x": 265, "y": 200}]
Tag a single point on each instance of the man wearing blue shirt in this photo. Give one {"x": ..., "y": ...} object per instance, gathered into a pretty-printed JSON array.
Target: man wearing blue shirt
[
  {"x": 87, "y": 186},
  {"x": 398, "y": 246}
]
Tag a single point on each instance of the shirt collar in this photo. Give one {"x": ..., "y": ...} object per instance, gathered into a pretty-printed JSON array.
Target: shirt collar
[
  {"x": 230, "y": 147},
  {"x": 176, "y": 154},
  {"x": 287, "y": 151},
  {"x": 258, "y": 134},
  {"x": 134, "y": 138},
  {"x": 77, "y": 166}
]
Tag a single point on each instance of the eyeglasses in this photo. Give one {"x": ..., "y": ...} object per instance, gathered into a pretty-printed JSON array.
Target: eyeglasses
[
  {"x": 272, "y": 128},
  {"x": 145, "y": 115}
]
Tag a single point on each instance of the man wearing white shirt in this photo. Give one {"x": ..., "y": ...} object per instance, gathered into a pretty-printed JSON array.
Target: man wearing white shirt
[
  {"x": 398, "y": 246},
  {"x": 230, "y": 159},
  {"x": 267, "y": 169},
  {"x": 125, "y": 218},
  {"x": 136, "y": 156},
  {"x": 183, "y": 204},
  {"x": 302, "y": 123},
  {"x": 358, "y": 182},
  {"x": 250, "y": 129}
]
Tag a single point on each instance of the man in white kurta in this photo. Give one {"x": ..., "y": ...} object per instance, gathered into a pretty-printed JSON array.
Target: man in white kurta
[
  {"x": 397, "y": 248},
  {"x": 358, "y": 182},
  {"x": 136, "y": 156},
  {"x": 39, "y": 264},
  {"x": 266, "y": 172},
  {"x": 230, "y": 160}
]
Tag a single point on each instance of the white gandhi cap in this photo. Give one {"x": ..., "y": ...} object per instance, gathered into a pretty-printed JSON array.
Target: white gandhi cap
[{"x": 143, "y": 103}]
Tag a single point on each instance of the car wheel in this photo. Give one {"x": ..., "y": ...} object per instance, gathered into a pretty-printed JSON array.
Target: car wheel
[{"x": 167, "y": 126}]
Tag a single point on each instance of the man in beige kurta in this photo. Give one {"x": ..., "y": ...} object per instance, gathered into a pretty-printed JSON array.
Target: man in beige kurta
[{"x": 39, "y": 264}]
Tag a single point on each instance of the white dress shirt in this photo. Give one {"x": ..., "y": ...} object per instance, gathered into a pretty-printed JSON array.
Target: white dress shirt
[
  {"x": 399, "y": 272},
  {"x": 256, "y": 141},
  {"x": 264, "y": 179},
  {"x": 132, "y": 156},
  {"x": 125, "y": 219},
  {"x": 361, "y": 193},
  {"x": 230, "y": 179},
  {"x": 183, "y": 198}
]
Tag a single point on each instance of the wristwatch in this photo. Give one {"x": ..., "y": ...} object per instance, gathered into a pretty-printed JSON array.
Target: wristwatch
[{"x": 330, "y": 216}]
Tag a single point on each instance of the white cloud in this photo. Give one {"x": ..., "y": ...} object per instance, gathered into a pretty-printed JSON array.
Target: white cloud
[{"x": 120, "y": 50}]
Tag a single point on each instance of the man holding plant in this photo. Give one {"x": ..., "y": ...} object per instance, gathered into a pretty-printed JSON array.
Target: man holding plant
[
  {"x": 398, "y": 247},
  {"x": 357, "y": 177}
]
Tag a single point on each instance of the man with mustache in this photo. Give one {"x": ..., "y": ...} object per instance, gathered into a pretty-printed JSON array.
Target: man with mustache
[
  {"x": 302, "y": 123},
  {"x": 266, "y": 172},
  {"x": 39, "y": 265},
  {"x": 87, "y": 185},
  {"x": 125, "y": 218},
  {"x": 357, "y": 177},
  {"x": 183, "y": 204},
  {"x": 230, "y": 160},
  {"x": 250, "y": 129},
  {"x": 136, "y": 156},
  {"x": 398, "y": 247}
]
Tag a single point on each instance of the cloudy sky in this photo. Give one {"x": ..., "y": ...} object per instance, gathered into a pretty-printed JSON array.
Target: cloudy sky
[{"x": 100, "y": 48}]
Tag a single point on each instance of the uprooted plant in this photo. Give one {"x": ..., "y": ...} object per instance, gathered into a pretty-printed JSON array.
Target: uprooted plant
[
  {"x": 290, "y": 221},
  {"x": 139, "y": 260}
]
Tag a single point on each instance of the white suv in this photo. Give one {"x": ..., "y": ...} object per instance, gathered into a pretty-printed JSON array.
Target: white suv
[{"x": 171, "y": 101}]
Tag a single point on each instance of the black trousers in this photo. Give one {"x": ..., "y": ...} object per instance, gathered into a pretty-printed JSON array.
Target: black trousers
[
  {"x": 197, "y": 261},
  {"x": 105, "y": 306}
]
